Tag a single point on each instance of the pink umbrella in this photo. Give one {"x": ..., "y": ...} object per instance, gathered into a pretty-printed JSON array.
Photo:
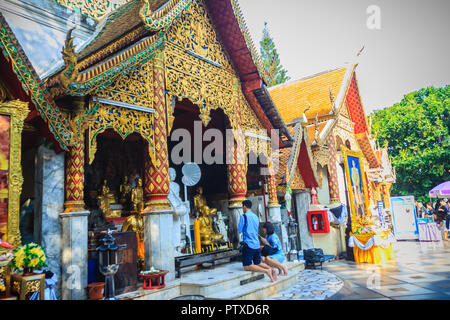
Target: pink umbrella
[{"x": 441, "y": 191}]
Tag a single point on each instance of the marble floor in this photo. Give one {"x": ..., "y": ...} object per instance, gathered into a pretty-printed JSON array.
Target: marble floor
[
  {"x": 420, "y": 271},
  {"x": 311, "y": 285}
]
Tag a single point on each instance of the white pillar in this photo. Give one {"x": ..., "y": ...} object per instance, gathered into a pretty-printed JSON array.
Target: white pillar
[
  {"x": 303, "y": 201},
  {"x": 274, "y": 213},
  {"x": 49, "y": 202},
  {"x": 74, "y": 255},
  {"x": 158, "y": 241},
  {"x": 234, "y": 214}
]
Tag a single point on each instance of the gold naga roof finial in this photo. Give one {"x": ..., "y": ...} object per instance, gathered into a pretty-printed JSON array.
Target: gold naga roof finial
[
  {"x": 333, "y": 104},
  {"x": 316, "y": 127},
  {"x": 70, "y": 72},
  {"x": 304, "y": 118},
  {"x": 360, "y": 51}
]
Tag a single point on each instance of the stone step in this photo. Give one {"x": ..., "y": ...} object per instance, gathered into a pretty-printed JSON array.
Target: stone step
[
  {"x": 225, "y": 278},
  {"x": 171, "y": 291},
  {"x": 259, "y": 289},
  {"x": 227, "y": 281}
]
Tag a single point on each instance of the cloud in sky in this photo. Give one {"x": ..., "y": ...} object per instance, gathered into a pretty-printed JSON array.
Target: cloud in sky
[{"x": 409, "y": 52}]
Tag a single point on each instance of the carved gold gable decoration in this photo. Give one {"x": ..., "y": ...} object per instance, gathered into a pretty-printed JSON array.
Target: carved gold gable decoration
[
  {"x": 194, "y": 31},
  {"x": 134, "y": 88},
  {"x": 251, "y": 124},
  {"x": 197, "y": 67},
  {"x": 125, "y": 122}
]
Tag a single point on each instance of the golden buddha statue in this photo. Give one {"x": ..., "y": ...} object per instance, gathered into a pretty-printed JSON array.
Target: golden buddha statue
[
  {"x": 125, "y": 191},
  {"x": 107, "y": 193},
  {"x": 135, "y": 223},
  {"x": 106, "y": 199},
  {"x": 207, "y": 234},
  {"x": 137, "y": 197}
]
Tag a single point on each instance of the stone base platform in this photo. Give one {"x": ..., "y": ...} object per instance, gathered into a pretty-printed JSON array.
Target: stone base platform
[{"x": 227, "y": 281}]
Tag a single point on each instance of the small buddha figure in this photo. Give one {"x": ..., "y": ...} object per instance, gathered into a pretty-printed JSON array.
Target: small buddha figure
[
  {"x": 107, "y": 193},
  {"x": 207, "y": 234},
  {"x": 137, "y": 197},
  {"x": 125, "y": 191},
  {"x": 105, "y": 207}
]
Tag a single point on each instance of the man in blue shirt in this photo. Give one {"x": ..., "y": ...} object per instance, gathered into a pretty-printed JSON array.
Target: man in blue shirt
[{"x": 251, "y": 251}]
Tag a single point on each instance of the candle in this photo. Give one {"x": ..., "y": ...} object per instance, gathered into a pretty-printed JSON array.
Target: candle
[{"x": 198, "y": 244}]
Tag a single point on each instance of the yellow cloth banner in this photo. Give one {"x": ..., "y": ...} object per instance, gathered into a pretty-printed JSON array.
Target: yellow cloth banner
[{"x": 376, "y": 254}]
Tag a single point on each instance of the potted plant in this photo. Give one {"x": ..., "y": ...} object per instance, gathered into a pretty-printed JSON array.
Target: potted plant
[
  {"x": 27, "y": 258},
  {"x": 4, "y": 272}
]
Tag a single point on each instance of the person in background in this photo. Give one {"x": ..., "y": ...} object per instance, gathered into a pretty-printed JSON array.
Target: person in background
[
  {"x": 251, "y": 253},
  {"x": 430, "y": 210},
  {"x": 416, "y": 206},
  {"x": 447, "y": 218},
  {"x": 441, "y": 215},
  {"x": 437, "y": 206},
  {"x": 277, "y": 257},
  {"x": 421, "y": 211}
]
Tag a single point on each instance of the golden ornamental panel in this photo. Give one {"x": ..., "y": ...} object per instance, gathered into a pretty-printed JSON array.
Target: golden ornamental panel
[
  {"x": 204, "y": 84},
  {"x": 135, "y": 87},
  {"x": 125, "y": 122},
  {"x": 321, "y": 156},
  {"x": 195, "y": 31},
  {"x": 196, "y": 65},
  {"x": 93, "y": 8},
  {"x": 249, "y": 120},
  {"x": 15, "y": 112}
]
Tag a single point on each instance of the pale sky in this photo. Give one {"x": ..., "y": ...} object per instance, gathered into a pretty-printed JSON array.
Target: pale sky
[{"x": 409, "y": 52}]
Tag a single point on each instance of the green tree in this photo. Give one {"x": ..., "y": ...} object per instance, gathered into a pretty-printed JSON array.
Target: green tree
[
  {"x": 417, "y": 132},
  {"x": 271, "y": 59}
]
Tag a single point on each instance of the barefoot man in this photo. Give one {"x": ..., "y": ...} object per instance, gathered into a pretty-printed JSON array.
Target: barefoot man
[{"x": 251, "y": 253}]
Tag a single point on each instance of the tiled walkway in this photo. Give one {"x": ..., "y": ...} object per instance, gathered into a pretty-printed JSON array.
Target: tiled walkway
[
  {"x": 311, "y": 285},
  {"x": 420, "y": 271}
]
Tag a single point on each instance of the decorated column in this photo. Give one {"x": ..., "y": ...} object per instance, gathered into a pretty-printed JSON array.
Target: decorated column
[
  {"x": 237, "y": 187},
  {"x": 156, "y": 174},
  {"x": 272, "y": 190},
  {"x": 237, "y": 180},
  {"x": 332, "y": 171},
  {"x": 273, "y": 206},
  {"x": 74, "y": 222},
  {"x": 386, "y": 192},
  {"x": 369, "y": 190},
  {"x": 158, "y": 220},
  {"x": 74, "y": 178}
]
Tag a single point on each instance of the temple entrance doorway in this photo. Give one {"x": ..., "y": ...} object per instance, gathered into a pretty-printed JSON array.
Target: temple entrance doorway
[
  {"x": 117, "y": 162},
  {"x": 207, "y": 201},
  {"x": 114, "y": 176}
]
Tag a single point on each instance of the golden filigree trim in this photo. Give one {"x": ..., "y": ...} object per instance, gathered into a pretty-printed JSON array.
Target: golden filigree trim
[{"x": 17, "y": 111}]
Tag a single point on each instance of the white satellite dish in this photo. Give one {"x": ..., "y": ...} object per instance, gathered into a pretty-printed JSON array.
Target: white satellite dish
[{"x": 191, "y": 176}]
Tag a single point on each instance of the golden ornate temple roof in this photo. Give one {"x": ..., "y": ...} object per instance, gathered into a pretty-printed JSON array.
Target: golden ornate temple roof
[{"x": 294, "y": 97}]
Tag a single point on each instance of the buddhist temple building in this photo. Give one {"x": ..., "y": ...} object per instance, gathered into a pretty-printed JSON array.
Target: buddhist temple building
[
  {"x": 330, "y": 108},
  {"x": 104, "y": 102},
  {"x": 153, "y": 119}
]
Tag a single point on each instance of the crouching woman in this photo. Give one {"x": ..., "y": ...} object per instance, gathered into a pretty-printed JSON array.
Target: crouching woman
[{"x": 272, "y": 253}]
